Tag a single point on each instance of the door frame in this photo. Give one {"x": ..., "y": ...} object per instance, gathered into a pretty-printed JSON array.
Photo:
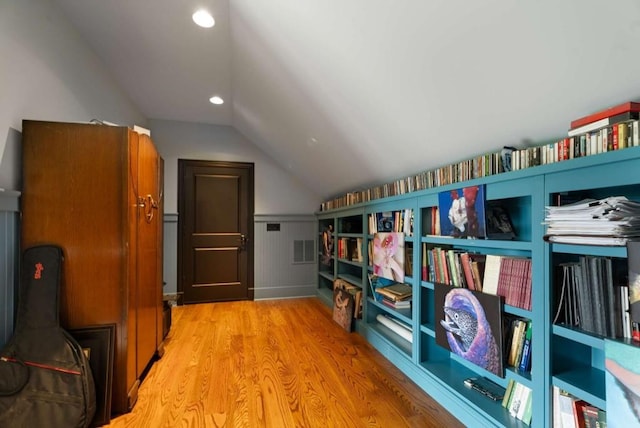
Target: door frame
[{"x": 249, "y": 167}]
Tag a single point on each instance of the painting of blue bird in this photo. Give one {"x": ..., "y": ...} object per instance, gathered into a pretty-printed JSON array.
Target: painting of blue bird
[{"x": 470, "y": 326}]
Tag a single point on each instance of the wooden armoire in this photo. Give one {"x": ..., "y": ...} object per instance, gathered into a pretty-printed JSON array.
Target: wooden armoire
[{"x": 96, "y": 191}]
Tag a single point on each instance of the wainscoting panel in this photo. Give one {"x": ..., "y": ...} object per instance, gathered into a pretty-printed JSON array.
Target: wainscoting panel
[
  {"x": 9, "y": 257},
  {"x": 285, "y": 256}
]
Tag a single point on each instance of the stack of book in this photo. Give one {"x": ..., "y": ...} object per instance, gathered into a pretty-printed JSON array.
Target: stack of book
[
  {"x": 609, "y": 221},
  {"x": 518, "y": 401},
  {"x": 396, "y": 296}
]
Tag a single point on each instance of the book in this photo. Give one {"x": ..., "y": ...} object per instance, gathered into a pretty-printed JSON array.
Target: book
[
  {"x": 603, "y": 123},
  {"x": 507, "y": 393},
  {"x": 629, "y": 106},
  {"x": 578, "y": 413},
  {"x": 399, "y": 291},
  {"x": 525, "y": 361},
  {"x": 518, "y": 327},
  {"x": 633, "y": 257},
  {"x": 565, "y": 408},
  {"x": 491, "y": 274},
  {"x": 396, "y": 304}
]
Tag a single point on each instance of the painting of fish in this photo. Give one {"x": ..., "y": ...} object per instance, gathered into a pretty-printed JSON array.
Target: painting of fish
[{"x": 469, "y": 324}]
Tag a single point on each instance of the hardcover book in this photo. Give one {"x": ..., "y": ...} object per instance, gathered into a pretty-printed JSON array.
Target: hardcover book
[
  {"x": 470, "y": 326},
  {"x": 633, "y": 260},
  {"x": 611, "y": 111},
  {"x": 462, "y": 212}
]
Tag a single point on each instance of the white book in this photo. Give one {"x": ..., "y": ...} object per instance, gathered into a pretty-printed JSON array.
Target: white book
[
  {"x": 491, "y": 274},
  {"x": 516, "y": 401},
  {"x": 524, "y": 401},
  {"x": 557, "y": 421}
]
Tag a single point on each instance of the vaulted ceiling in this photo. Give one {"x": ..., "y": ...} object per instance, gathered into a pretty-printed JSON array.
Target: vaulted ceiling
[{"x": 349, "y": 93}]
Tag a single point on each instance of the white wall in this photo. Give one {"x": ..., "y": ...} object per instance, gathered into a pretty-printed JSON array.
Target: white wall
[
  {"x": 276, "y": 191},
  {"x": 49, "y": 73}
]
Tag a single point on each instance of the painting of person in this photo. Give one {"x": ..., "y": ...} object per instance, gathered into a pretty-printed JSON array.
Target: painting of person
[
  {"x": 458, "y": 214},
  {"x": 470, "y": 196},
  {"x": 327, "y": 245},
  {"x": 462, "y": 212}
]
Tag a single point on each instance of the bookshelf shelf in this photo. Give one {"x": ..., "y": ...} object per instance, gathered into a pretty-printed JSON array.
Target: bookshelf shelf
[
  {"x": 478, "y": 243},
  {"x": 453, "y": 374},
  {"x": 514, "y": 310},
  {"x": 402, "y": 314},
  {"x": 428, "y": 329},
  {"x": 562, "y": 356},
  {"x": 350, "y": 262},
  {"x": 592, "y": 340},
  {"x": 590, "y": 250},
  {"x": 427, "y": 285},
  {"x": 357, "y": 281},
  {"x": 586, "y": 383},
  {"x": 326, "y": 275}
]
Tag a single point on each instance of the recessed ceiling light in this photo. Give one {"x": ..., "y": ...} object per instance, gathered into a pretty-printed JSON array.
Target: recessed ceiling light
[
  {"x": 216, "y": 100},
  {"x": 203, "y": 19}
]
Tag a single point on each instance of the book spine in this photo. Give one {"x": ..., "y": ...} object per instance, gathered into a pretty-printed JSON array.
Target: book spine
[
  {"x": 526, "y": 350},
  {"x": 602, "y": 114}
]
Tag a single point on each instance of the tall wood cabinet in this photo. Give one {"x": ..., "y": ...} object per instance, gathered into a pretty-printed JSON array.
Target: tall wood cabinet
[{"x": 96, "y": 191}]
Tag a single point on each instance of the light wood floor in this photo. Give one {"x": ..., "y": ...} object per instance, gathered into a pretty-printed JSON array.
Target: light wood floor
[{"x": 280, "y": 363}]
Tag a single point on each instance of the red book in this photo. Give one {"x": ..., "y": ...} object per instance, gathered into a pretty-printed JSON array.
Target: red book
[{"x": 612, "y": 111}]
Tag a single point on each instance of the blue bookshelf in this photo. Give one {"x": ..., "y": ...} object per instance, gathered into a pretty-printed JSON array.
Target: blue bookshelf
[{"x": 562, "y": 356}]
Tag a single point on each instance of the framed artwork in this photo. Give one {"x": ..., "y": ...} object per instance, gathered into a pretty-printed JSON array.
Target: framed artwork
[
  {"x": 98, "y": 344},
  {"x": 469, "y": 324},
  {"x": 622, "y": 383},
  {"x": 388, "y": 255},
  {"x": 343, "y": 307},
  {"x": 462, "y": 212}
]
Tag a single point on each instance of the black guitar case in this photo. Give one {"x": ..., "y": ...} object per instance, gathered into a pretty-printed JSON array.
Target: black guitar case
[{"x": 45, "y": 377}]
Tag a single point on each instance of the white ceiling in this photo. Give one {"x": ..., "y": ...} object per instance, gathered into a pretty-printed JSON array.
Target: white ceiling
[{"x": 349, "y": 93}]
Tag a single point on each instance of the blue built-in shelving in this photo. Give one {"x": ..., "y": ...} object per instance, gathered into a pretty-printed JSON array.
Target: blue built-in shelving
[{"x": 563, "y": 356}]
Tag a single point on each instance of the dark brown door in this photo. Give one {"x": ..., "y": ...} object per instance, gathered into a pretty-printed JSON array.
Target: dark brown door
[{"x": 215, "y": 231}]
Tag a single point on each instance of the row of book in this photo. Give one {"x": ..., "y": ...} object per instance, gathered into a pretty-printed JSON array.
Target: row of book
[
  {"x": 592, "y": 295},
  {"x": 453, "y": 267},
  {"x": 506, "y": 276},
  {"x": 509, "y": 277},
  {"x": 350, "y": 249},
  {"x": 518, "y": 343},
  {"x": 518, "y": 400},
  {"x": 588, "y": 135},
  {"x": 392, "y": 221},
  {"x": 571, "y": 412}
]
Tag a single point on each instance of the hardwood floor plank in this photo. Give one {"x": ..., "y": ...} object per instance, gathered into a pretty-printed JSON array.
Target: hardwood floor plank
[{"x": 281, "y": 363}]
